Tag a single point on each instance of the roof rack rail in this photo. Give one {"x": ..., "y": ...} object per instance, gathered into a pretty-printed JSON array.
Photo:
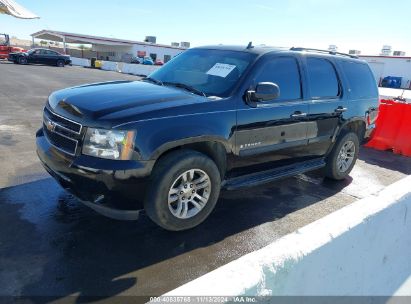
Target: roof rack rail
[{"x": 322, "y": 51}]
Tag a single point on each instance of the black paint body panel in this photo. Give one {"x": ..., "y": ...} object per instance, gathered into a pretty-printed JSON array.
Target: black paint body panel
[{"x": 254, "y": 136}]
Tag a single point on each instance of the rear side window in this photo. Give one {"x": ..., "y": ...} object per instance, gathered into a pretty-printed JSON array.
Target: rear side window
[
  {"x": 285, "y": 73},
  {"x": 361, "y": 80},
  {"x": 322, "y": 78}
]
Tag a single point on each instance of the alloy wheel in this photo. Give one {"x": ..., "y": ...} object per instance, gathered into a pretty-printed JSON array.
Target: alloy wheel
[
  {"x": 346, "y": 156},
  {"x": 189, "y": 193}
]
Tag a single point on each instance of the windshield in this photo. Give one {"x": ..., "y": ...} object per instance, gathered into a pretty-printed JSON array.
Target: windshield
[{"x": 212, "y": 72}]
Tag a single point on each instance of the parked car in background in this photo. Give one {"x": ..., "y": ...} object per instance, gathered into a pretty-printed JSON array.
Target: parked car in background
[
  {"x": 42, "y": 56},
  {"x": 159, "y": 62},
  {"x": 136, "y": 60},
  {"x": 148, "y": 61}
]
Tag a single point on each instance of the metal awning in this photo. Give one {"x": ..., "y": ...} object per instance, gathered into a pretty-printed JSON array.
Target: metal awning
[
  {"x": 10, "y": 7},
  {"x": 66, "y": 37},
  {"x": 79, "y": 39}
]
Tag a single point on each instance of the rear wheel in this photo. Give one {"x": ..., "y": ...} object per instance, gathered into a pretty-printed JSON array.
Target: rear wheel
[
  {"x": 60, "y": 63},
  {"x": 183, "y": 190},
  {"x": 22, "y": 60},
  {"x": 343, "y": 156}
]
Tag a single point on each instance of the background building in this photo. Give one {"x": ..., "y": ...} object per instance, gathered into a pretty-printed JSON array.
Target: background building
[
  {"x": 386, "y": 65},
  {"x": 86, "y": 46},
  {"x": 396, "y": 66}
]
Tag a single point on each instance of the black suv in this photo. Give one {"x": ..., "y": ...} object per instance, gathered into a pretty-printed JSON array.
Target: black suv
[
  {"x": 42, "y": 56},
  {"x": 213, "y": 117}
]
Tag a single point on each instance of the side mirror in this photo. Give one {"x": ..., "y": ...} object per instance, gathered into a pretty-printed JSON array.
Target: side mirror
[{"x": 264, "y": 91}]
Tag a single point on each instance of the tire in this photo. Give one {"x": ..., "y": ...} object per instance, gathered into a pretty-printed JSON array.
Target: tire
[
  {"x": 166, "y": 192},
  {"x": 60, "y": 63},
  {"x": 22, "y": 60},
  {"x": 343, "y": 156}
]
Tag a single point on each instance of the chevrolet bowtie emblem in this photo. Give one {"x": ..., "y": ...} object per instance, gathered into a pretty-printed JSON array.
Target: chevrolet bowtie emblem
[{"x": 50, "y": 125}]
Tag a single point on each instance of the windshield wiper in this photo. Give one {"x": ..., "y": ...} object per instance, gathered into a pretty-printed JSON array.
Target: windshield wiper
[
  {"x": 153, "y": 80},
  {"x": 186, "y": 87}
]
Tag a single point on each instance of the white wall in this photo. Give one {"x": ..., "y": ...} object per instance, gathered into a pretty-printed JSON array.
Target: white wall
[
  {"x": 119, "y": 50},
  {"x": 362, "y": 249},
  {"x": 394, "y": 66},
  {"x": 110, "y": 66},
  {"x": 80, "y": 61},
  {"x": 132, "y": 50},
  {"x": 135, "y": 69},
  {"x": 388, "y": 93},
  {"x": 160, "y": 51},
  {"x": 138, "y": 69}
]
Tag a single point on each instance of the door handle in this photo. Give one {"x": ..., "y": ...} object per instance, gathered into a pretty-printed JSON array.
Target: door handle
[
  {"x": 340, "y": 110},
  {"x": 298, "y": 114}
]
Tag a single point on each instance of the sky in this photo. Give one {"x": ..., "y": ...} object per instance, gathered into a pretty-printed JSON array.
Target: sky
[{"x": 364, "y": 25}]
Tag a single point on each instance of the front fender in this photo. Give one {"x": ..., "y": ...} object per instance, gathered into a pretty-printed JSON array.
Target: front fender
[
  {"x": 154, "y": 137},
  {"x": 191, "y": 140}
]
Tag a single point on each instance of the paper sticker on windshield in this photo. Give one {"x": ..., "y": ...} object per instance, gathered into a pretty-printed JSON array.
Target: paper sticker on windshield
[{"x": 221, "y": 69}]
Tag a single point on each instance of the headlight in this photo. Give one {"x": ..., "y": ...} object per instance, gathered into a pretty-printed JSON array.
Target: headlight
[{"x": 110, "y": 144}]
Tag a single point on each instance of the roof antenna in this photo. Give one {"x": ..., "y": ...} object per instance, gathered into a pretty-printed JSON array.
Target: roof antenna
[{"x": 250, "y": 45}]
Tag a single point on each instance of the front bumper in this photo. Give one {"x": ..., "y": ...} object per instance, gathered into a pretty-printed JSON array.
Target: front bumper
[{"x": 117, "y": 185}]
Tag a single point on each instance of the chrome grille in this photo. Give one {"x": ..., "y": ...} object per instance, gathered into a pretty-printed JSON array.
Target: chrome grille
[
  {"x": 63, "y": 122},
  {"x": 61, "y": 132}
]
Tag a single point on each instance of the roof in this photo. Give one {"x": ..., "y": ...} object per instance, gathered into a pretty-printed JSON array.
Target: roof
[
  {"x": 10, "y": 7},
  {"x": 263, "y": 49},
  {"x": 81, "y": 38},
  {"x": 40, "y": 48}
]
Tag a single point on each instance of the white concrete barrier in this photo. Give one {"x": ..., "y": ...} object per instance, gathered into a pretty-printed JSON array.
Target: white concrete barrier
[
  {"x": 362, "y": 249},
  {"x": 138, "y": 69},
  {"x": 388, "y": 93},
  {"x": 80, "y": 61},
  {"x": 127, "y": 68},
  {"x": 109, "y": 66}
]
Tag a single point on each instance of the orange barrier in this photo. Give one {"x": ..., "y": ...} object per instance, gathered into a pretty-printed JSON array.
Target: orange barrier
[
  {"x": 393, "y": 128},
  {"x": 386, "y": 126},
  {"x": 402, "y": 144}
]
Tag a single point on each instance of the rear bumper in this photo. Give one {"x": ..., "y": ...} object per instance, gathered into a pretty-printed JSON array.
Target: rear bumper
[
  {"x": 106, "y": 184},
  {"x": 368, "y": 132}
]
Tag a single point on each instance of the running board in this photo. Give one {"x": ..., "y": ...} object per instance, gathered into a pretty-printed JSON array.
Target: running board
[{"x": 263, "y": 177}]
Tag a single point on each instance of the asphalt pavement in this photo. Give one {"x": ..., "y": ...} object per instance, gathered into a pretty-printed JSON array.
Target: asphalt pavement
[{"x": 51, "y": 245}]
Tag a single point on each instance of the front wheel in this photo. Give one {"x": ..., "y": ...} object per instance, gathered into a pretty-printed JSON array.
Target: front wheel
[
  {"x": 60, "y": 63},
  {"x": 343, "y": 156},
  {"x": 184, "y": 188},
  {"x": 22, "y": 60}
]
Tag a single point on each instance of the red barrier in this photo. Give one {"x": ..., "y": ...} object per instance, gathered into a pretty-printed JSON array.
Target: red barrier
[
  {"x": 393, "y": 128},
  {"x": 402, "y": 144}
]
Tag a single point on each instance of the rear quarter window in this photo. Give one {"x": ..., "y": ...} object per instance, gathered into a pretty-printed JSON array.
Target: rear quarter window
[
  {"x": 322, "y": 78},
  {"x": 360, "y": 79}
]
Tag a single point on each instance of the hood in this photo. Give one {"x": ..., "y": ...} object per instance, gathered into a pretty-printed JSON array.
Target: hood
[{"x": 116, "y": 102}]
